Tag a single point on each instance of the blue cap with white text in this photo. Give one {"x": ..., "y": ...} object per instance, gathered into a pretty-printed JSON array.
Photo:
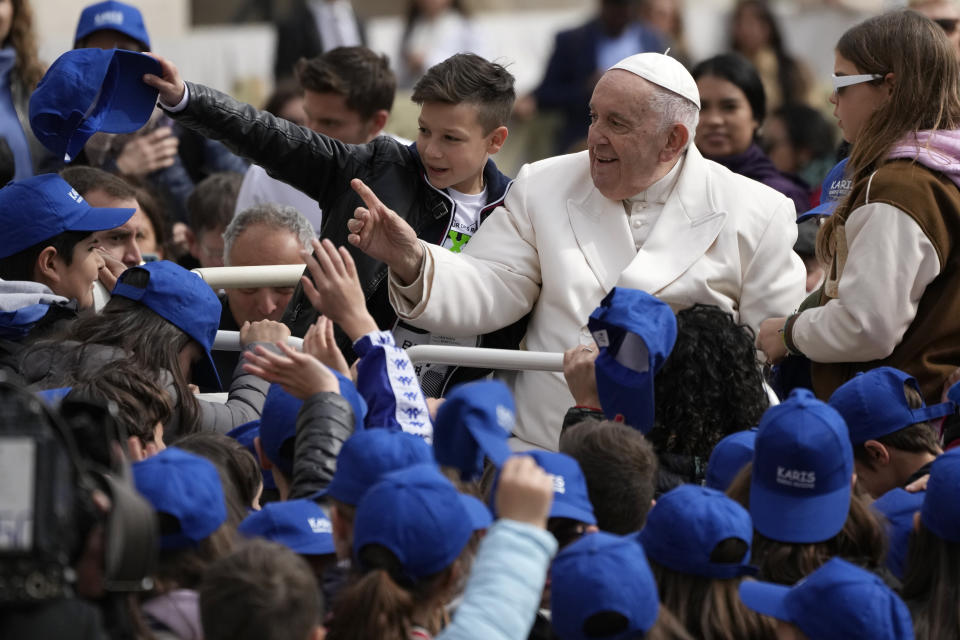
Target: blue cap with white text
[
  {"x": 39, "y": 208},
  {"x": 474, "y": 423},
  {"x": 802, "y": 470},
  {"x": 635, "y": 333},
  {"x": 300, "y": 525},
  {"x": 836, "y": 187},
  {"x": 116, "y": 16}
]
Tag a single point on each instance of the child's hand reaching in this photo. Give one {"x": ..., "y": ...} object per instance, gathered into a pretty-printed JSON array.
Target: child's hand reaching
[
  {"x": 335, "y": 291},
  {"x": 524, "y": 492},
  {"x": 318, "y": 341},
  {"x": 170, "y": 85},
  {"x": 300, "y": 374}
]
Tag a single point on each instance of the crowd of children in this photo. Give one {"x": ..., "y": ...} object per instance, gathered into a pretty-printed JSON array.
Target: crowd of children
[{"x": 342, "y": 492}]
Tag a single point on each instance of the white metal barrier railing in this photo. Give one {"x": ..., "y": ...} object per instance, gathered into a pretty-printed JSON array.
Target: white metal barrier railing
[
  {"x": 276, "y": 275},
  {"x": 504, "y": 359}
]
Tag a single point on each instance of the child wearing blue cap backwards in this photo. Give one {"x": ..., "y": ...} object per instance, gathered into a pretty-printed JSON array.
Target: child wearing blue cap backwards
[
  {"x": 894, "y": 442},
  {"x": 932, "y": 582},
  {"x": 602, "y": 587},
  {"x": 261, "y": 591},
  {"x": 187, "y": 494},
  {"x": 697, "y": 542},
  {"x": 49, "y": 258},
  {"x": 410, "y": 531},
  {"x": 839, "y": 601},
  {"x": 800, "y": 493},
  {"x": 164, "y": 319}
]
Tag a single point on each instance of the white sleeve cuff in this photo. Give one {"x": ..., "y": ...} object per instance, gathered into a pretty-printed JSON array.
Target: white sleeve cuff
[{"x": 180, "y": 106}]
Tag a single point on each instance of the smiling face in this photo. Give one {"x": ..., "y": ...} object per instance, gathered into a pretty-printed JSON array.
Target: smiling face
[
  {"x": 726, "y": 124},
  {"x": 453, "y": 146},
  {"x": 626, "y": 136},
  {"x": 854, "y": 105}
]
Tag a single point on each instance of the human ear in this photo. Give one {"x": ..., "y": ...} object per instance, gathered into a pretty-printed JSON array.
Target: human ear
[
  {"x": 497, "y": 138},
  {"x": 376, "y": 123},
  {"x": 264, "y": 460},
  {"x": 877, "y": 452},
  {"x": 45, "y": 269},
  {"x": 677, "y": 139}
]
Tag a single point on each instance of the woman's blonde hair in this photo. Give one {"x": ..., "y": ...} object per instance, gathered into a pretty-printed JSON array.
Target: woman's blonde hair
[{"x": 925, "y": 95}]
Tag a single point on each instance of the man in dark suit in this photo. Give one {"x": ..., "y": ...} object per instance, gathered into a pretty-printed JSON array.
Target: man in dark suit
[
  {"x": 581, "y": 55},
  {"x": 314, "y": 27}
]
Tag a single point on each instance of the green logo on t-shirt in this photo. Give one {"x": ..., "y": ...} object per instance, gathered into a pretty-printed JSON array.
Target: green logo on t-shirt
[{"x": 459, "y": 240}]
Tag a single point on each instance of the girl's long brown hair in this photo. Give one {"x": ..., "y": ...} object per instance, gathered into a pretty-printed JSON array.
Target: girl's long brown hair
[
  {"x": 28, "y": 69},
  {"x": 925, "y": 95}
]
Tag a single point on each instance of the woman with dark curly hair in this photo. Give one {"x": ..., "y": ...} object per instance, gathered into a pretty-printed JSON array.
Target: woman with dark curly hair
[
  {"x": 708, "y": 388},
  {"x": 20, "y": 70}
]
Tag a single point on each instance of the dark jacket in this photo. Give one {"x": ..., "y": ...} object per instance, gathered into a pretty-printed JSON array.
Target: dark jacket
[
  {"x": 754, "y": 164},
  {"x": 58, "y": 364},
  {"x": 322, "y": 168},
  {"x": 298, "y": 37},
  {"x": 324, "y": 423},
  {"x": 572, "y": 70}
]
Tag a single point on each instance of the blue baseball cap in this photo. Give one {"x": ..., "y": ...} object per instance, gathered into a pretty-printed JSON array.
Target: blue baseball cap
[
  {"x": 953, "y": 393},
  {"x": 570, "y": 499},
  {"x": 480, "y": 516},
  {"x": 278, "y": 424},
  {"x": 474, "y": 422},
  {"x": 187, "y": 487},
  {"x": 802, "y": 467},
  {"x": 418, "y": 515},
  {"x": 836, "y": 187},
  {"x": 368, "y": 455},
  {"x": 349, "y": 392},
  {"x": 245, "y": 435},
  {"x": 729, "y": 457},
  {"x": 941, "y": 509},
  {"x": 686, "y": 525},
  {"x": 299, "y": 525},
  {"x": 838, "y": 601},
  {"x": 182, "y": 298},
  {"x": 873, "y": 404},
  {"x": 116, "y": 16},
  {"x": 898, "y": 506},
  {"x": 635, "y": 332},
  {"x": 89, "y": 90},
  {"x": 39, "y": 208},
  {"x": 602, "y": 573}
]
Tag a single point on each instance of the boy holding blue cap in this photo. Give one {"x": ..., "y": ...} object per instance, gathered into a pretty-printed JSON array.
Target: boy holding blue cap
[{"x": 48, "y": 253}]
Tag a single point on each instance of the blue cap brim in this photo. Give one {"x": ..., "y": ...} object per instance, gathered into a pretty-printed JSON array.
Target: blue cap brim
[
  {"x": 823, "y": 209},
  {"x": 560, "y": 510},
  {"x": 765, "y": 598},
  {"x": 801, "y": 519},
  {"x": 493, "y": 445},
  {"x": 101, "y": 219},
  {"x": 480, "y": 516}
]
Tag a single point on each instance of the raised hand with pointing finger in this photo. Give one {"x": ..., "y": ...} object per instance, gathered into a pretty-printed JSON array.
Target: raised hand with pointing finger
[{"x": 380, "y": 233}]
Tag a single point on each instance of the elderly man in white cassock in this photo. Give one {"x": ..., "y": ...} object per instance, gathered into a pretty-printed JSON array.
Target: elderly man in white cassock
[{"x": 641, "y": 208}]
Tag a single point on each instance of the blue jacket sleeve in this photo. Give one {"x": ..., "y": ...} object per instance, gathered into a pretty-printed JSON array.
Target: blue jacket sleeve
[
  {"x": 504, "y": 589},
  {"x": 388, "y": 383}
]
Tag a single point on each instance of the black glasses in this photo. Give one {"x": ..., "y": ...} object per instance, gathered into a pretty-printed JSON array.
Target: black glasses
[{"x": 949, "y": 25}]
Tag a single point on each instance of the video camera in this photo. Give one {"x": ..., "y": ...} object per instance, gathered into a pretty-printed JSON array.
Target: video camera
[{"x": 52, "y": 463}]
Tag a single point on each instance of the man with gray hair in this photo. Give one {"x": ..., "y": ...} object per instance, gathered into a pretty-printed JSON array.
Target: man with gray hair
[
  {"x": 264, "y": 234},
  {"x": 641, "y": 208}
]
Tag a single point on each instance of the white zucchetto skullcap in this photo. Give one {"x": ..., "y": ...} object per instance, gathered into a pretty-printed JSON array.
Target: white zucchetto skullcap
[{"x": 664, "y": 71}]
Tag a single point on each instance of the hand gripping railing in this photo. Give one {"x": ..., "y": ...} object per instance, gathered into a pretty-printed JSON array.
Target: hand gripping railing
[
  {"x": 276, "y": 275},
  {"x": 504, "y": 359}
]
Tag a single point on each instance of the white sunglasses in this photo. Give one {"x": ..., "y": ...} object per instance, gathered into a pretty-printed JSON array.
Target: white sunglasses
[{"x": 840, "y": 82}]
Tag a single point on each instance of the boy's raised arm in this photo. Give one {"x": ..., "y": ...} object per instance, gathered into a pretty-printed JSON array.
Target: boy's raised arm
[{"x": 318, "y": 165}]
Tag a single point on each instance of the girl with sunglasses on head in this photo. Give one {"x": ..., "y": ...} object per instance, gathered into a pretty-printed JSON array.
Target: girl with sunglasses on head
[{"x": 890, "y": 249}]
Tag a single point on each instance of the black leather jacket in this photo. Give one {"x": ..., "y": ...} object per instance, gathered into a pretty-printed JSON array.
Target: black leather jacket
[
  {"x": 322, "y": 167},
  {"x": 324, "y": 423}
]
